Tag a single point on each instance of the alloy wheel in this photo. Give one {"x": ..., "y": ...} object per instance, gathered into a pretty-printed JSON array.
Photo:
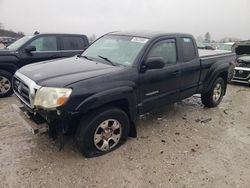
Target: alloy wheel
[
  {"x": 107, "y": 134},
  {"x": 5, "y": 85},
  {"x": 217, "y": 92}
]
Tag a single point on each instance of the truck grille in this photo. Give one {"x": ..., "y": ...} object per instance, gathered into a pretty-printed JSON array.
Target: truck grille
[
  {"x": 22, "y": 90},
  {"x": 242, "y": 74},
  {"x": 25, "y": 89}
]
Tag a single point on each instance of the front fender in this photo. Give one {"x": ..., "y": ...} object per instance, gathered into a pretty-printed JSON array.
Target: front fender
[
  {"x": 107, "y": 97},
  {"x": 9, "y": 63}
]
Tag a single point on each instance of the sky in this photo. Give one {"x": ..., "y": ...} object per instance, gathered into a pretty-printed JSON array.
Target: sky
[{"x": 222, "y": 18}]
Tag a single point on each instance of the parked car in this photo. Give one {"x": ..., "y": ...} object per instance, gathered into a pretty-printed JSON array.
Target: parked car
[
  {"x": 205, "y": 46},
  {"x": 100, "y": 94},
  {"x": 7, "y": 40},
  {"x": 224, "y": 46},
  {"x": 36, "y": 48},
  {"x": 242, "y": 70}
]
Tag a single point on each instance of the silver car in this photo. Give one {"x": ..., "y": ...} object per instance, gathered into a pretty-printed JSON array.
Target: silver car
[{"x": 242, "y": 70}]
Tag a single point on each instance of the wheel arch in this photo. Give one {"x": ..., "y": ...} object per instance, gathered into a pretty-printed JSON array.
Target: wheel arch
[
  {"x": 123, "y": 98},
  {"x": 11, "y": 68},
  {"x": 9, "y": 63},
  {"x": 220, "y": 71}
]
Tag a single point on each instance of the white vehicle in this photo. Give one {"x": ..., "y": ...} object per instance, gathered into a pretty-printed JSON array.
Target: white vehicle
[{"x": 242, "y": 70}]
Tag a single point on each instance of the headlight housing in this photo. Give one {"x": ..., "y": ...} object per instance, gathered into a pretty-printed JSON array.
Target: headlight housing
[{"x": 50, "y": 98}]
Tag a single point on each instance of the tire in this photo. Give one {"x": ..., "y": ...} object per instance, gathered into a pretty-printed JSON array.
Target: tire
[
  {"x": 214, "y": 96},
  {"x": 90, "y": 135},
  {"x": 5, "y": 84}
]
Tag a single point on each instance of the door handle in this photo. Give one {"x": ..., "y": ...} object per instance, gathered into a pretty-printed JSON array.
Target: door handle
[{"x": 176, "y": 73}]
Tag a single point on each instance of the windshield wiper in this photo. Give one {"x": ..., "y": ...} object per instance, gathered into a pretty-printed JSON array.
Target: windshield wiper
[
  {"x": 107, "y": 59},
  {"x": 86, "y": 57}
]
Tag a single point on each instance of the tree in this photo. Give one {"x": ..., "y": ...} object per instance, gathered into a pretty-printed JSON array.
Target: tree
[
  {"x": 207, "y": 37},
  {"x": 20, "y": 33},
  {"x": 1, "y": 25},
  {"x": 200, "y": 39}
]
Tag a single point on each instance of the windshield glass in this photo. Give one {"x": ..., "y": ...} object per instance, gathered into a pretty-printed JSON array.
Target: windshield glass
[
  {"x": 19, "y": 43},
  {"x": 117, "y": 50}
]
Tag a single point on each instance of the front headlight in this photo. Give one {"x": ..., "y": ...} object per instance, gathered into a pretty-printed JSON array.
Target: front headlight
[{"x": 49, "y": 97}]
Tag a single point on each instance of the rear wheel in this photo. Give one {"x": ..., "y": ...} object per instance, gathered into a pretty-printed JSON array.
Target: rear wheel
[
  {"x": 214, "y": 96},
  {"x": 5, "y": 84},
  {"x": 102, "y": 131}
]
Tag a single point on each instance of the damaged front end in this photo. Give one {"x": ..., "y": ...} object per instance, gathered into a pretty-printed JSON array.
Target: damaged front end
[
  {"x": 39, "y": 116},
  {"x": 242, "y": 69}
]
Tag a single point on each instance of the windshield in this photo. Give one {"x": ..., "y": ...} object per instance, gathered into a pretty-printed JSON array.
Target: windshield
[
  {"x": 116, "y": 50},
  {"x": 19, "y": 43}
]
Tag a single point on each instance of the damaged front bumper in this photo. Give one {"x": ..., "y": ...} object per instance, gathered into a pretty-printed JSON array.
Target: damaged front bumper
[
  {"x": 40, "y": 120},
  {"x": 241, "y": 75},
  {"x": 33, "y": 123},
  {"x": 40, "y": 123}
]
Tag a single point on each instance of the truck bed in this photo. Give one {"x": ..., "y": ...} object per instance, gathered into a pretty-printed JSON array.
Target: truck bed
[
  {"x": 204, "y": 54},
  {"x": 210, "y": 57}
]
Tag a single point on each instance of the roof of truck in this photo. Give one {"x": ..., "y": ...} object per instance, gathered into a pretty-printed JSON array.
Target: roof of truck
[
  {"x": 71, "y": 34},
  {"x": 148, "y": 34}
]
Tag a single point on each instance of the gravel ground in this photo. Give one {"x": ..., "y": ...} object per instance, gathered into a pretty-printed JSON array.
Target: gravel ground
[{"x": 181, "y": 145}]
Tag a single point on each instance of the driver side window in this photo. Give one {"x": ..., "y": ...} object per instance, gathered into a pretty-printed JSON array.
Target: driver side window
[
  {"x": 165, "y": 49},
  {"x": 46, "y": 43}
]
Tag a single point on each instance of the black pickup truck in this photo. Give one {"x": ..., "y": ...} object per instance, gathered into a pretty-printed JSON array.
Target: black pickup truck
[
  {"x": 99, "y": 94},
  {"x": 36, "y": 48}
]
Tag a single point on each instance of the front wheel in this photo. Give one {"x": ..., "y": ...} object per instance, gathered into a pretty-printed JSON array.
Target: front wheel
[
  {"x": 214, "y": 96},
  {"x": 5, "y": 84},
  {"x": 102, "y": 131}
]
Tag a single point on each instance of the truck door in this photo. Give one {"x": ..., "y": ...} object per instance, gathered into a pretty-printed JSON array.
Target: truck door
[
  {"x": 46, "y": 48},
  {"x": 190, "y": 67},
  {"x": 160, "y": 86}
]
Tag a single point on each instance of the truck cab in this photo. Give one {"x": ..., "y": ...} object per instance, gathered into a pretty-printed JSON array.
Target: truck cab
[{"x": 36, "y": 48}]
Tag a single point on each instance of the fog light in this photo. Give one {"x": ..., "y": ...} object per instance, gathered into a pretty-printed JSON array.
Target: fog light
[{"x": 58, "y": 112}]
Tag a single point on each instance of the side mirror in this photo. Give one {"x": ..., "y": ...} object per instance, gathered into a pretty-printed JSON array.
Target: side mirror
[
  {"x": 29, "y": 49},
  {"x": 154, "y": 63}
]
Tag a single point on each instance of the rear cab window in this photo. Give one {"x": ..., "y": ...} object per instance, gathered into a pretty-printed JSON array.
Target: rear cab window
[
  {"x": 73, "y": 43},
  {"x": 188, "y": 49}
]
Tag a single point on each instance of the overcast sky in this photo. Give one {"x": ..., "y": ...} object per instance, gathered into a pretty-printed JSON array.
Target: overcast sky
[{"x": 222, "y": 18}]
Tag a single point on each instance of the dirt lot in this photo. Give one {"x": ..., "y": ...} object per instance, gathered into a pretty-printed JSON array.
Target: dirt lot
[{"x": 181, "y": 145}]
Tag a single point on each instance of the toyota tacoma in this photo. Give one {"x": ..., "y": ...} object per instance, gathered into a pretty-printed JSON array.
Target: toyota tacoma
[{"x": 99, "y": 95}]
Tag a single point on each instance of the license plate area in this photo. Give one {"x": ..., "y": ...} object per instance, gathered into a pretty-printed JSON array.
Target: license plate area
[{"x": 33, "y": 123}]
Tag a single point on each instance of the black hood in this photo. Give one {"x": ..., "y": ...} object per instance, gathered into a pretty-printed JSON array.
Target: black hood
[{"x": 62, "y": 72}]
